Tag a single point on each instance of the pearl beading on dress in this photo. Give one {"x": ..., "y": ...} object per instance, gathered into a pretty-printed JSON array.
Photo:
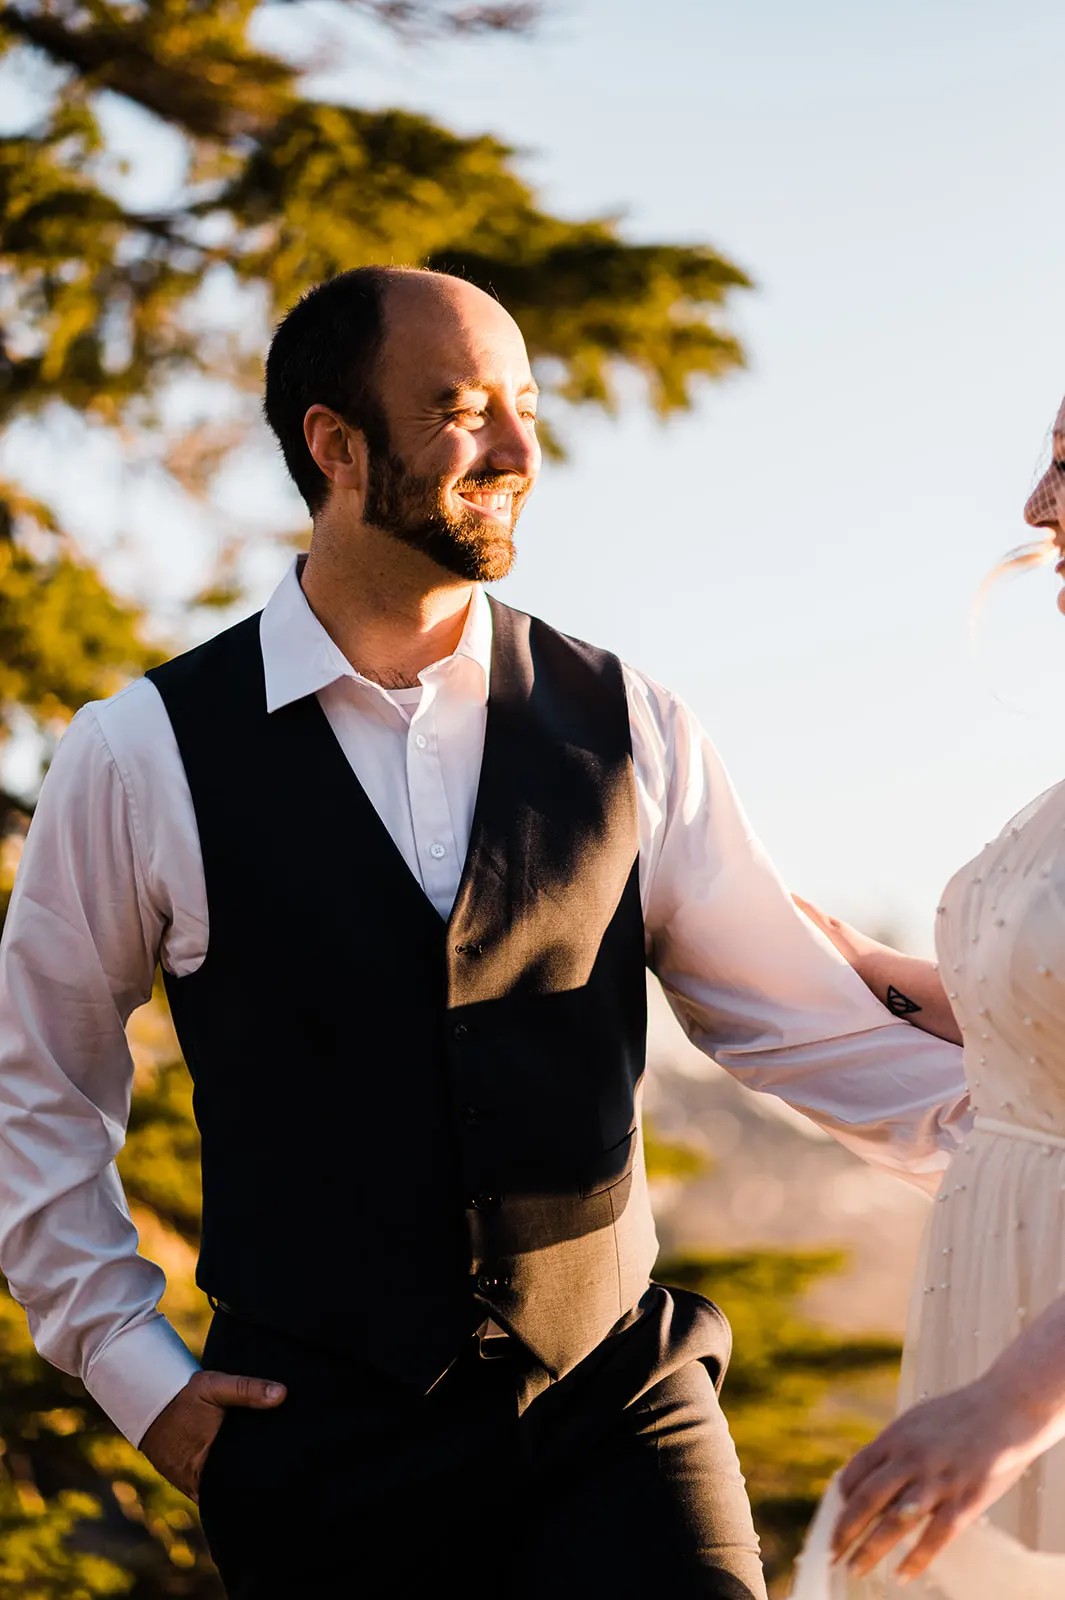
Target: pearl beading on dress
[{"x": 1000, "y": 937}]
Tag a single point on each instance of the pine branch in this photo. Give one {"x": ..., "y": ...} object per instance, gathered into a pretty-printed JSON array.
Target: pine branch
[
  {"x": 211, "y": 93},
  {"x": 427, "y": 18},
  {"x": 221, "y": 88}
]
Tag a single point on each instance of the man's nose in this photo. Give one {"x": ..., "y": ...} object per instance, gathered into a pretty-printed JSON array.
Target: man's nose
[{"x": 514, "y": 446}]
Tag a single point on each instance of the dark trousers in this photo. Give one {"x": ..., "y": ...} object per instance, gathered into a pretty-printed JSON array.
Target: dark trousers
[{"x": 621, "y": 1476}]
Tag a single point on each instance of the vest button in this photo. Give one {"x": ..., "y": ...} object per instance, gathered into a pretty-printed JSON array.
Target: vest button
[
  {"x": 489, "y": 1281},
  {"x": 471, "y": 1116},
  {"x": 460, "y": 1031}
]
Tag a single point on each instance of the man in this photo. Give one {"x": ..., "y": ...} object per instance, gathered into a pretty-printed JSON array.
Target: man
[{"x": 404, "y": 854}]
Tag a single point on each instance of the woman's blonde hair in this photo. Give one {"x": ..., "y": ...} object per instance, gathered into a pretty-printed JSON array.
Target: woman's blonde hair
[{"x": 1036, "y": 553}]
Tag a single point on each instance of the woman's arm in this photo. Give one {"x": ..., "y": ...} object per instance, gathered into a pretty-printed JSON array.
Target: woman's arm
[
  {"x": 942, "y": 1463},
  {"x": 910, "y": 987}
]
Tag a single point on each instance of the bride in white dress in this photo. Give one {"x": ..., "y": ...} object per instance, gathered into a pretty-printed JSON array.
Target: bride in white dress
[{"x": 983, "y": 1376}]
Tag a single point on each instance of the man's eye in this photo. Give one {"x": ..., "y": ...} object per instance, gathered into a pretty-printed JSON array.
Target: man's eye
[
  {"x": 529, "y": 416},
  {"x": 1058, "y": 464}
]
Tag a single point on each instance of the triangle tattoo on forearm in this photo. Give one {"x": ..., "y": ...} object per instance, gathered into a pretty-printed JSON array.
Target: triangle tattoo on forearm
[{"x": 899, "y": 1004}]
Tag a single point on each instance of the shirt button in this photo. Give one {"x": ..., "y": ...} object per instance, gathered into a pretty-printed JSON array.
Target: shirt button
[
  {"x": 438, "y": 851},
  {"x": 459, "y": 1031},
  {"x": 420, "y": 740}
]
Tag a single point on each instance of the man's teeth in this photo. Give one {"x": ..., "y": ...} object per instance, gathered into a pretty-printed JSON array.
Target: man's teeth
[{"x": 492, "y": 502}]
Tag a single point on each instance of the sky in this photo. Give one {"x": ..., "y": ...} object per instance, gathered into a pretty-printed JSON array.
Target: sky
[{"x": 798, "y": 556}]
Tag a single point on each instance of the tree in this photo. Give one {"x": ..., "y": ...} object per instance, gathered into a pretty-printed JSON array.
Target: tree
[
  {"x": 110, "y": 328},
  {"x": 109, "y": 310}
]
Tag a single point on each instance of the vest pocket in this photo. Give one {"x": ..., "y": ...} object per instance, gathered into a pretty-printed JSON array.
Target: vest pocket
[{"x": 609, "y": 1166}]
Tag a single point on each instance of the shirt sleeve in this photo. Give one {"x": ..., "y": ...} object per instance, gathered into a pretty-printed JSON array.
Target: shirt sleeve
[
  {"x": 755, "y": 985},
  {"x": 78, "y": 955}
]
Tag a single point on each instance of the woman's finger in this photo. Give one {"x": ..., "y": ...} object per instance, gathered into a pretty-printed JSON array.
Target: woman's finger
[
  {"x": 947, "y": 1522},
  {"x": 888, "y": 1485},
  {"x": 896, "y": 1523},
  {"x": 860, "y": 1466}
]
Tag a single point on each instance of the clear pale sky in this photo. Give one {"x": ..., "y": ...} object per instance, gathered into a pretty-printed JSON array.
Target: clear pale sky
[{"x": 797, "y": 557}]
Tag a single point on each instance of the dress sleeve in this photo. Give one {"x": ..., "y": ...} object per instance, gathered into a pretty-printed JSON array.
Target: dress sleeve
[
  {"x": 755, "y": 985},
  {"x": 78, "y": 955}
]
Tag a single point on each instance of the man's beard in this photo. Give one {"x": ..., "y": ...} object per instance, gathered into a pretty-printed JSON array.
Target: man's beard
[{"x": 414, "y": 510}]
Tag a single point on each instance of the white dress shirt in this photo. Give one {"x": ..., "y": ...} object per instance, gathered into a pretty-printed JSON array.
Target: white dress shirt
[{"x": 111, "y": 882}]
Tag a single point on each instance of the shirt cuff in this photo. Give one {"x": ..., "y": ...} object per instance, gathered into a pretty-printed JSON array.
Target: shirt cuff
[{"x": 137, "y": 1373}]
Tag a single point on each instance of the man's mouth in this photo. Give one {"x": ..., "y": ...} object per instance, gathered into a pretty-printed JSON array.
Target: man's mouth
[{"x": 497, "y": 506}]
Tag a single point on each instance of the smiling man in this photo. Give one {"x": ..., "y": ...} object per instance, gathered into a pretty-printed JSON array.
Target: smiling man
[{"x": 404, "y": 854}]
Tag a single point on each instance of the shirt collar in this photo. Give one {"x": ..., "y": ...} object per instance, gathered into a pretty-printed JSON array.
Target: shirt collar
[{"x": 300, "y": 658}]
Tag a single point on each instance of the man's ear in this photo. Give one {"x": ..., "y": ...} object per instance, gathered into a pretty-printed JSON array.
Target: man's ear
[{"x": 338, "y": 449}]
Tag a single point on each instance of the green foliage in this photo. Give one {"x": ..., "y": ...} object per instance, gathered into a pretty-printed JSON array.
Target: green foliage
[
  {"x": 328, "y": 185},
  {"x": 82, "y": 1513},
  {"x": 160, "y": 1164},
  {"x": 673, "y": 1159},
  {"x": 103, "y": 318},
  {"x": 51, "y": 1567},
  {"x": 102, "y": 309},
  {"x": 64, "y": 637},
  {"x": 800, "y": 1398}
]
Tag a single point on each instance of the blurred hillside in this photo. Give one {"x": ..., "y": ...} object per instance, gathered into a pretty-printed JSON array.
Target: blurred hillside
[
  {"x": 809, "y": 1252},
  {"x": 771, "y": 1179}
]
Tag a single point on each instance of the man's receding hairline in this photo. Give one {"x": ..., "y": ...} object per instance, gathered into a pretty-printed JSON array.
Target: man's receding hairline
[
  {"x": 438, "y": 285},
  {"x": 433, "y": 281}
]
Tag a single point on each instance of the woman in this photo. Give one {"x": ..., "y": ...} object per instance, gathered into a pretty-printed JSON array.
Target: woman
[{"x": 984, "y": 1367}]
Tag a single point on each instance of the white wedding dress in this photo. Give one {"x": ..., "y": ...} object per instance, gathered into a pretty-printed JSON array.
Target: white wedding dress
[{"x": 994, "y": 1250}]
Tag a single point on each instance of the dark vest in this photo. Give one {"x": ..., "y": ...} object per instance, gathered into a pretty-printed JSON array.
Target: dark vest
[{"x": 408, "y": 1123}]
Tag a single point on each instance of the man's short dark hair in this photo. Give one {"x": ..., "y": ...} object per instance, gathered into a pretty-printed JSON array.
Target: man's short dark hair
[{"x": 325, "y": 352}]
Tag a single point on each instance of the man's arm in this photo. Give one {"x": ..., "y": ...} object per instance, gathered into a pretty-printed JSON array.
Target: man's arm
[
  {"x": 78, "y": 955},
  {"x": 756, "y": 986}
]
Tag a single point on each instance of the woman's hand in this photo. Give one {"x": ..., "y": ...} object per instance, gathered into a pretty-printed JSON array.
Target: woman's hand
[{"x": 938, "y": 1467}]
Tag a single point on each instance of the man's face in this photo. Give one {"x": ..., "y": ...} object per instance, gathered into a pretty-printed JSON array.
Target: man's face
[{"x": 460, "y": 405}]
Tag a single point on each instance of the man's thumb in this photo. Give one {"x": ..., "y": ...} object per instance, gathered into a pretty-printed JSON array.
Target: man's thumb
[{"x": 228, "y": 1389}]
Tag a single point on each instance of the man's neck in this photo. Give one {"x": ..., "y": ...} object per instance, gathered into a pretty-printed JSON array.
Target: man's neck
[{"x": 391, "y": 610}]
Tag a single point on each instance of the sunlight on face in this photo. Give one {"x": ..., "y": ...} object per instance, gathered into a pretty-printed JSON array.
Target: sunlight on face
[{"x": 460, "y": 402}]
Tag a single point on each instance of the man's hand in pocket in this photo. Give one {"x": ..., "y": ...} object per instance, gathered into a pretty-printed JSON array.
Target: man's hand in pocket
[{"x": 179, "y": 1440}]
